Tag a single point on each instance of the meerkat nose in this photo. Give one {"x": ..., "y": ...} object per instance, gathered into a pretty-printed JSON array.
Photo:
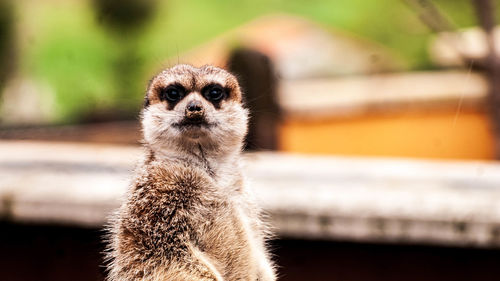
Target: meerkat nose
[
  {"x": 194, "y": 106},
  {"x": 194, "y": 109}
]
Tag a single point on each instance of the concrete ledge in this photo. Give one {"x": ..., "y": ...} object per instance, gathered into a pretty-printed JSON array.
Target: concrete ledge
[{"x": 357, "y": 199}]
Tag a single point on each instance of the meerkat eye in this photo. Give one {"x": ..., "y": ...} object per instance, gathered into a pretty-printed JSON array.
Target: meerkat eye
[
  {"x": 215, "y": 93},
  {"x": 172, "y": 93}
]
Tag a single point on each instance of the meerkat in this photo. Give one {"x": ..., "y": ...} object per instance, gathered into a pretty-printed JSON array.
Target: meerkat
[{"x": 188, "y": 214}]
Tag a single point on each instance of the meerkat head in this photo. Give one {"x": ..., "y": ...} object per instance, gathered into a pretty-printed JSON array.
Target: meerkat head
[{"x": 186, "y": 106}]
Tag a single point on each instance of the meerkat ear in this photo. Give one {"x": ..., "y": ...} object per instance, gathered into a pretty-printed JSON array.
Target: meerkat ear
[{"x": 146, "y": 96}]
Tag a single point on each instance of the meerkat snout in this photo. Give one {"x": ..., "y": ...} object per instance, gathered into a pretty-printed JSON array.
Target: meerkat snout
[{"x": 194, "y": 110}]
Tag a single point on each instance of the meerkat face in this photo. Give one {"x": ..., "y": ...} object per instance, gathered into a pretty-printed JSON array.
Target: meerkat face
[{"x": 185, "y": 105}]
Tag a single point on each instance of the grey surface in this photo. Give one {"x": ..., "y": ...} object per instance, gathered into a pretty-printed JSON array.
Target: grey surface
[{"x": 313, "y": 197}]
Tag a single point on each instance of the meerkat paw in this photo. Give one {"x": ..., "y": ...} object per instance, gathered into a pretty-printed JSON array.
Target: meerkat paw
[{"x": 266, "y": 273}]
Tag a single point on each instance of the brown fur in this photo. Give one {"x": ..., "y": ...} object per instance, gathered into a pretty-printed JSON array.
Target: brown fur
[{"x": 188, "y": 214}]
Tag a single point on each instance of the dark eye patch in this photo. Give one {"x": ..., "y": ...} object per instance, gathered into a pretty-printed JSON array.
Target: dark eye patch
[
  {"x": 215, "y": 93},
  {"x": 172, "y": 94}
]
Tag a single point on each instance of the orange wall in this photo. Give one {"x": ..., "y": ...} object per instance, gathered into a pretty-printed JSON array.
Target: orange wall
[{"x": 415, "y": 134}]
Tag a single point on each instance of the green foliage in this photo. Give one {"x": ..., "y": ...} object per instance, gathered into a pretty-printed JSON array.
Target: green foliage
[
  {"x": 124, "y": 14},
  {"x": 75, "y": 58},
  {"x": 393, "y": 23},
  {"x": 93, "y": 69}
]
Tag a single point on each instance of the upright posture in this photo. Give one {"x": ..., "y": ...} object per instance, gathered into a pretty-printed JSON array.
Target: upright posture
[{"x": 188, "y": 214}]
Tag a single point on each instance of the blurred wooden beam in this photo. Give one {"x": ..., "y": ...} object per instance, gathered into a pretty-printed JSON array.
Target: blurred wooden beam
[
  {"x": 118, "y": 132},
  {"x": 351, "y": 199},
  {"x": 397, "y": 92}
]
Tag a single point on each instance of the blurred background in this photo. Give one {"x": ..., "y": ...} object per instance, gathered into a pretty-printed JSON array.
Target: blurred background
[{"x": 373, "y": 144}]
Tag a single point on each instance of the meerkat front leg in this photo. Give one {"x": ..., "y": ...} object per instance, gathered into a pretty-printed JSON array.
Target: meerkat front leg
[
  {"x": 266, "y": 270},
  {"x": 196, "y": 268},
  {"x": 206, "y": 269}
]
